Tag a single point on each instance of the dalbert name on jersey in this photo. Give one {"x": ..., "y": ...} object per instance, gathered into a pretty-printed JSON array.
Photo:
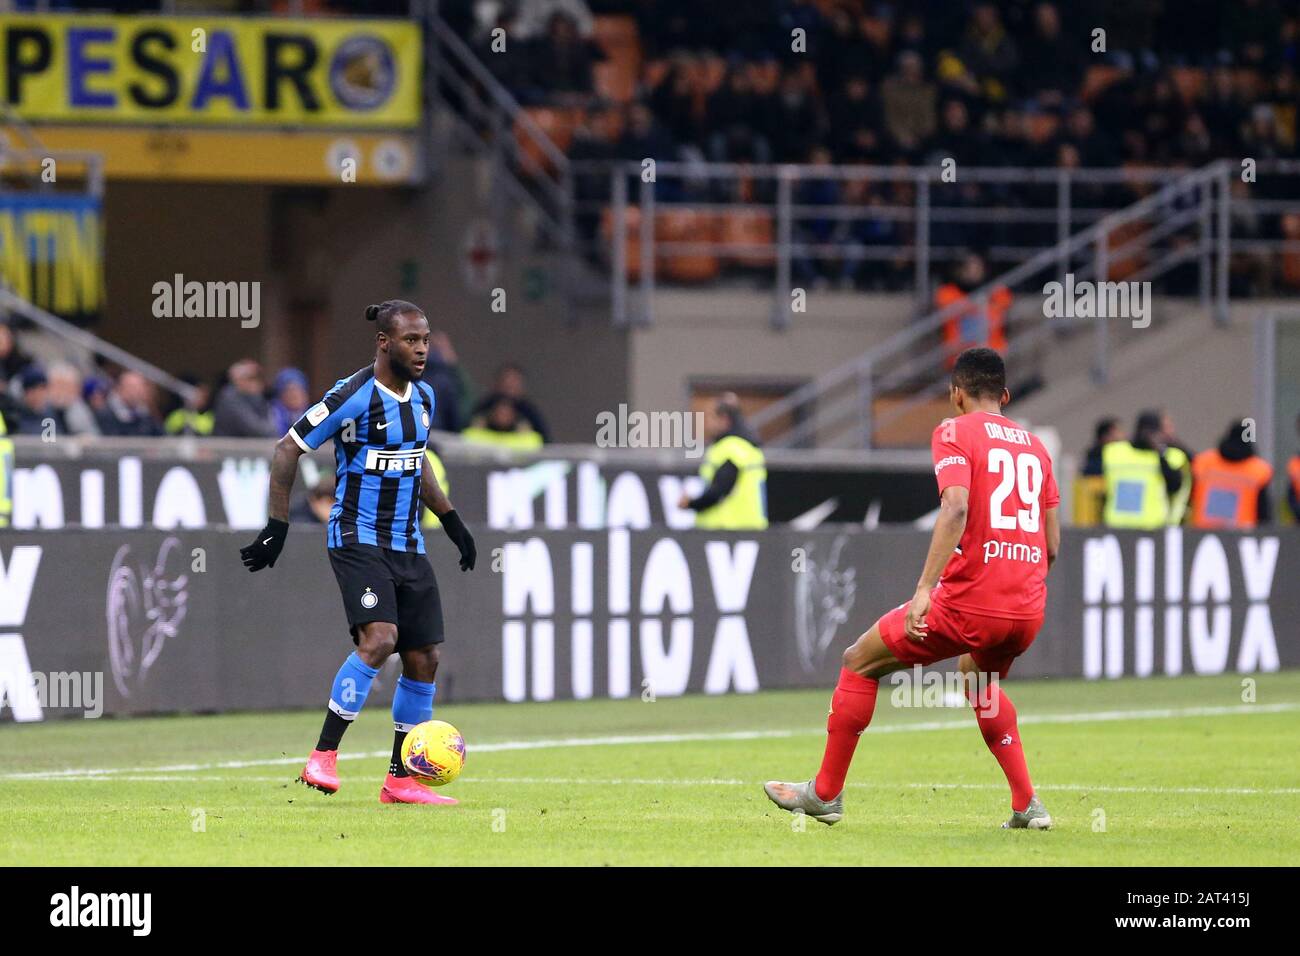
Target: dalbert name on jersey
[{"x": 1000, "y": 567}]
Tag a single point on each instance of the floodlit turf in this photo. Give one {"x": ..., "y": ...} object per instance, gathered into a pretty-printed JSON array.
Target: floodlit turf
[{"x": 1163, "y": 772}]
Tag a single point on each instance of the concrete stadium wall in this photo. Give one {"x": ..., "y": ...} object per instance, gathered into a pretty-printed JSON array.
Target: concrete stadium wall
[{"x": 726, "y": 336}]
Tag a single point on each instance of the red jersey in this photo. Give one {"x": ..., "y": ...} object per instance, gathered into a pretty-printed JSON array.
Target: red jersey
[{"x": 1000, "y": 567}]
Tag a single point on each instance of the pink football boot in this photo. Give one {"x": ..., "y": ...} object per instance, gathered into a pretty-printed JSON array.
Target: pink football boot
[
  {"x": 322, "y": 771},
  {"x": 407, "y": 790}
]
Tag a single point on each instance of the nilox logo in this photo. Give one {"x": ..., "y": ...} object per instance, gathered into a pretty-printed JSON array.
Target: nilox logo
[{"x": 1154, "y": 608}]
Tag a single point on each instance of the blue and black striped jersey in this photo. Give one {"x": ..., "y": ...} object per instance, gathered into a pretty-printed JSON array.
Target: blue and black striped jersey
[{"x": 379, "y": 438}]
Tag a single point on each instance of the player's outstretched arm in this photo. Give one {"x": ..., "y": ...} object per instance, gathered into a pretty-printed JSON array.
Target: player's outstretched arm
[
  {"x": 948, "y": 529},
  {"x": 264, "y": 551},
  {"x": 436, "y": 500}
]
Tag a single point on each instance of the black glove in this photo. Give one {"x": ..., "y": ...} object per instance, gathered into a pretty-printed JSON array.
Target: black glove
[
  {"x": 263, "y": 552},
  {"x": 461, "y": 538}
]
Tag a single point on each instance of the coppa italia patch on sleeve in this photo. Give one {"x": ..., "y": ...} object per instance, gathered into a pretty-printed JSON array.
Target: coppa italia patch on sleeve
[{"x": 317, "y": 414}]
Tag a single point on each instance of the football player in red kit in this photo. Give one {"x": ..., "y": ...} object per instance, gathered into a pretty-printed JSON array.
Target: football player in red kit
[{"x": 981, "y": 594}]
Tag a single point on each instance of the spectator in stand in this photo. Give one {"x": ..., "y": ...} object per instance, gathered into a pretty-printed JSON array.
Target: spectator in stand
[
  {"x": 501, "y": 424},
  {"x": 1051, "y": 65},
  {"x": 511, "y": 384},
  {"x": 1230, "y": 484},
  {"x": 856, "y": 123},
  {"x": 988, "y": 52},
  {"x": 561, "y": 63},
  {"x": 315, "y": 507},
  {"x": 291, "y": 398},
  {"x": 241, "y": 409},
  {"x": 192, "y": 416},
  {"x": 12, "y": 358},
  {"x": 810, "y": 192},
  {"x": 65, "y": 398},
  {"x": 129, "y": 408},
  {"x": 37, "y": 416},
  {"x": 1090, "y": 487},
  {"x": 1106, "y": 431},
  {"x": 796, "y": 121},
  {"x": 451, "y": 388},
  {"x": 731, "y": 110},
  {"x": 909, "y": 104}
]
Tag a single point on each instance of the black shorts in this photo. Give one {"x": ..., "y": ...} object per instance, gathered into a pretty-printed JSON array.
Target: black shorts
[{"x": 394, "y": 586}]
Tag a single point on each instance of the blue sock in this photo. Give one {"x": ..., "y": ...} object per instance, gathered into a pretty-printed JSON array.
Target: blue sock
[
  {"x": 351, "y": 686},
  {"x": 412, "y": 704}
]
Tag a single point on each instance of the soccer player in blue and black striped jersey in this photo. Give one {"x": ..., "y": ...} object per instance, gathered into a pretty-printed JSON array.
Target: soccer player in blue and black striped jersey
[{"x": 379, "y": 419}]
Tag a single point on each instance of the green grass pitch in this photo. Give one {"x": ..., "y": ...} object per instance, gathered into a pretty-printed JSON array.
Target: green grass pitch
[{"x": 1159, "y": 771}]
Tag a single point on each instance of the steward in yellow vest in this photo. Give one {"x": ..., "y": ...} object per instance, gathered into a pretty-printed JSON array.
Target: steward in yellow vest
[
  {"x": 1145, "y": 480},
  {"x": 431, "y": 460},
  {"x": 503, "y": 426},
  {"x": 736, "y": 472},
  {"x": 6, "y": 475}
]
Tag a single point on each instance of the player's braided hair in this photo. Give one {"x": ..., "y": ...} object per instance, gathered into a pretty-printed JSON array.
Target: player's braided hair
[{"x": 385, "y": 312}]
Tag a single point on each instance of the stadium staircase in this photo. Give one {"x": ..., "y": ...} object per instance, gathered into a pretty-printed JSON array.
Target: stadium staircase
[{"x": 893, "y": 394}]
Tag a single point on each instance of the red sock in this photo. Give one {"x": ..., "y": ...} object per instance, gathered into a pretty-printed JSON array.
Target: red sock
[
  {"x": 998, "y": 725},
  {"x": 852, "y": 704}
]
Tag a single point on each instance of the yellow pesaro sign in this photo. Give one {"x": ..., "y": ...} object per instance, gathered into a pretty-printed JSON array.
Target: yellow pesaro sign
[
  {"x": 51, "y": 251},
  {"x": 212, "y": 70}
]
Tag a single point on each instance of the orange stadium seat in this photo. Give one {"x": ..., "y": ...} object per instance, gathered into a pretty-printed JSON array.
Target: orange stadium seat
[
  {"x": 1042, "y": 127},
  {"x": 1291, "y": 260},
  {"x": 750, "y": 227},
  {"x": 558, "y": 124},
  {"x": 1189, "y": 81},
  {"x": 681, "y": 225},
  {"x": 616, "y": 78},
  {"x": 1097, "y": 79},
  {"x": 1134, "y": 259}
]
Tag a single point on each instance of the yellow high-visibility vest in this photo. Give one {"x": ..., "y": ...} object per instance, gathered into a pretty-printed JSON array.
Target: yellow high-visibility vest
[
  {"x": 431, "y": 459},
  {"x": 745, "y": 508},
  {"x": 527, "y": 440},
  {"x": 6, "y": 476},
  {"x": 1178, "y": 459},
  {"x": 1136, "y": 496}
]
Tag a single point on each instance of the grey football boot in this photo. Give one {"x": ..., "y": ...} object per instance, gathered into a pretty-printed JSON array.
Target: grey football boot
[
  {"x": 1033, "y": 817},
  {"x": 802, "y": 798}
]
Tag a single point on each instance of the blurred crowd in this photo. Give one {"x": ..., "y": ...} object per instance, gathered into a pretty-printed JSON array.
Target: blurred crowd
[
  {"x": 52, "y": 398},
  {"x": 885, "y": 82},
  {"x": 1147, "y": 478},
  {"x": 1005, "y": 83}
]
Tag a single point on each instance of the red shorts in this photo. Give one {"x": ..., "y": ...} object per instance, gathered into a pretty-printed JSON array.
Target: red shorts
[{"x": 993, "y": 642}]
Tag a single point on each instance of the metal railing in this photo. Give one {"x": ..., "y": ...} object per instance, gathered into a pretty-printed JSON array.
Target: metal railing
[
  {"x": 840, "y": 405},
  {"x": 904, "y": 222},
  {"x": 527, "y": 164}
]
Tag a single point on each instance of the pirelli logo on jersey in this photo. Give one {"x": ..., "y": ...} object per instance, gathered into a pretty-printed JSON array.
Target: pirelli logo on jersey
[{"x": 403, "y": 461}]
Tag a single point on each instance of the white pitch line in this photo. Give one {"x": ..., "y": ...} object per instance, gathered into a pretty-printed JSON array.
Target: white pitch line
[
  {"x": 1045, "y": 788},
  {"x": 964, "y": 723}
]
